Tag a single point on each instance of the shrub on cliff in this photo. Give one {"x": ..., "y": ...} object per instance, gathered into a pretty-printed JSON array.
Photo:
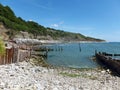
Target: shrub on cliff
[{"x": 2, "y": 48}]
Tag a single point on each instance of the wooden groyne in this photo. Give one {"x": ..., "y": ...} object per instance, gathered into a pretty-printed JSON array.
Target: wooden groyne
[
  {"x": 20, "y": 52},
  {"x": 14, "y": 54},
  {"x": 112, "y": 64},
  {"x": 20, "y": 49}
]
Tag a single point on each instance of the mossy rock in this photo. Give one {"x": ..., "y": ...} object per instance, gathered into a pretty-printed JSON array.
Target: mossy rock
[{"x": 39, "y": 61}]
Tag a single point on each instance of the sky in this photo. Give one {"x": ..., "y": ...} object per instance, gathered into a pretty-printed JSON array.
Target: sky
[{"x": 95, "y": 18}]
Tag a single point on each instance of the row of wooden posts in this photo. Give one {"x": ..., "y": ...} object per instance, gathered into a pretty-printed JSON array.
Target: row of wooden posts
[{"x": 13, "y": 55}]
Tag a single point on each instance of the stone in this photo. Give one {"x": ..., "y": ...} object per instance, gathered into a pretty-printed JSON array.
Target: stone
[
  {"x": 24, "y": 76},
  {"x": 103, "y": 72}
]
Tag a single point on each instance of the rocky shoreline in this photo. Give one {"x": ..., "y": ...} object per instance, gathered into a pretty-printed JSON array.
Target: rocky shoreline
[{"x": 27, "y": 76}]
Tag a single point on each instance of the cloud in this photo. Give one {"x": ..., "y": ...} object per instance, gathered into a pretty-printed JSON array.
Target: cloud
[
  {"x": 43, "y": 6},
  {"x": 30, "y": 20},
  {"x": 40, "y": 4},
  {"x": 55, "y": 25},
  {"x": 86, "y": 28},
  {"x": 62, "y": 22},
  {"x": 79, "y": 28}
]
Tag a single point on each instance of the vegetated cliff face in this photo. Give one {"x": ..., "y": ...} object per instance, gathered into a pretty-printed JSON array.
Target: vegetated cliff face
[
  {"x": 3, "y": 31},
  {"x": 15, "y": 27}
]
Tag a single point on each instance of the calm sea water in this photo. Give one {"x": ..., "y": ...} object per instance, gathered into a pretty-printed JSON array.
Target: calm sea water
[{"x": 72, "y": 56}]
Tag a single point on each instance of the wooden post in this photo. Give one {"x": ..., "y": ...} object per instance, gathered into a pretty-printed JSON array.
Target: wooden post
[
  {"x": 6, "y": 56},
  {"x": 79, "y": 47},
  {"x": 0, "y": 60},
  {"x": 18, "y": 55}
]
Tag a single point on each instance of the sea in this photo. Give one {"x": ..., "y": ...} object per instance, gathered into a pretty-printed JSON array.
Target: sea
[{"x": 79, "y": 55}]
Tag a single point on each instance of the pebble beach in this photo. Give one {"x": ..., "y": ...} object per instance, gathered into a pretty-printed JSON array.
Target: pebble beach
[{"x": 26, "y": 76}]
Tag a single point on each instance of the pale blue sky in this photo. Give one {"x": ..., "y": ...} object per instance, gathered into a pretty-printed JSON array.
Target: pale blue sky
[{"x": 96, "y": 18}]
